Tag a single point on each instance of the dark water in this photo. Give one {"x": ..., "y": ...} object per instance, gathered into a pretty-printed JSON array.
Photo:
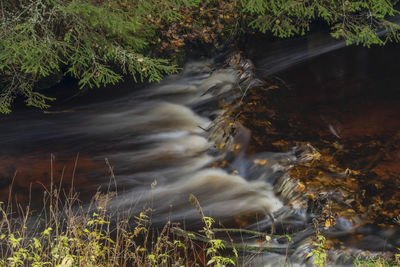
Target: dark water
[
  {"x": 162, "y": 146},
  {"x": 347, "y": 97},
  {"x": 155, "y": 136}
]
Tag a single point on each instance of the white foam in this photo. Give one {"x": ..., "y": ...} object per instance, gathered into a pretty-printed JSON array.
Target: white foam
[{"x": 218, "y": 192}]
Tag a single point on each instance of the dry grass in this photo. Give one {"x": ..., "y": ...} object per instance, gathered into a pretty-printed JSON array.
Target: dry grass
[{"x": 67, "y": 232}]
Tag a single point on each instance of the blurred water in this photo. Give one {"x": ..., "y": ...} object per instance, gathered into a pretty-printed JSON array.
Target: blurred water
[
  {"x": 154, "y": 136},
  {"x": 162, "y": 145}
]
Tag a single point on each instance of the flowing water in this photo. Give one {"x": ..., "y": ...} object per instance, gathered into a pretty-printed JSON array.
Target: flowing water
[
  {"x": 165, "y": 142},
  {"x": 157, "y": 142}
]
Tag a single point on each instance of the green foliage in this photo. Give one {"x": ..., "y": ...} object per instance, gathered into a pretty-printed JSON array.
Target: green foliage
[
  {"x": 68, "y": 234},
  {"x": 98, "y": 42},
  {"x": 87, "y": 39},
  {"x": 216, "y": 246},
  {"x": 377, "y": 261},
  {"x": 319, "y": 251},
  {"x": 361, "y": 22}
]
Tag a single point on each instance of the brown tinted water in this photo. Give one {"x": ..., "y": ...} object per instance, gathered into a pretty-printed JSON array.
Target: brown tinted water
[
  {"x": 345, "y": 104},
  {"x": 323, "y": 143}
]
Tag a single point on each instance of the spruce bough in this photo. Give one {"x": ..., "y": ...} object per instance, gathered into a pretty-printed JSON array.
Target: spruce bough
[{"x": 98, "y": 42}]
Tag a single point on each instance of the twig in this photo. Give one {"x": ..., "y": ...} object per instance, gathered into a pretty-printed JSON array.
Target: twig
[
  {"x": 244, "y": 231},
  {"x": 245, "y": 247}
]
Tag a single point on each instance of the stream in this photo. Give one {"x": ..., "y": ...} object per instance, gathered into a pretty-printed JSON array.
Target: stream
[{"x": 184, "y": 136}]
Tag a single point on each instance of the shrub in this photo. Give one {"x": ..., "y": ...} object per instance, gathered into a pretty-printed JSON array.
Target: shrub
[
  {"x": 86, "y": 39},
  {"x": 100, "y": 41}
]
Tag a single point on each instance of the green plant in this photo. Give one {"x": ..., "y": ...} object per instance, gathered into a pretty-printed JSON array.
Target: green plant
[
  {"x": 319, "y": 251},
  {"x": 377, "y": 261},
  {"x": 98, "y": 42},
  {"x": 360, "y": 22},
  {"x": 90, "y": 40},
  {"x": 66, "y": 233},
  {"x": 215, "y": 245}
]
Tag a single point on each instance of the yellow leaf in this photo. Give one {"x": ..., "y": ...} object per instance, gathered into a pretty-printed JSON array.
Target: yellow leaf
[
  {"x": 261, "y": 161},
  {"x": 328, "y": 223},
  {"x": 301, "y": 186},
  {"x": 219, "y": 146},
  {"x": 310, "y": 195}
]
